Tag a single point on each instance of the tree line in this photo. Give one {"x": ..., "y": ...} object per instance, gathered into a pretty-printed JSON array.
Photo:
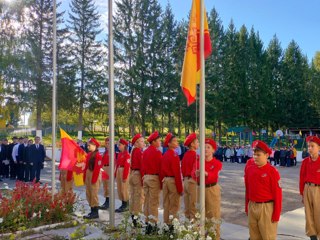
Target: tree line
[{"x": 247, "y": 82}]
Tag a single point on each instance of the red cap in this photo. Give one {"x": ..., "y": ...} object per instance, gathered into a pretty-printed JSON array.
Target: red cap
[
  {"x": 190, "y": 139},
  {"x": 135, "y": 138},
  {"x": 153, "y": 136},
  {"x": 211, "y": 142},
  {"x": 262, "y": 146},
  {"x": 95, "y": 142},
  {"x": 123, "y": 142},
  {"x": 313, "y": 139},
  {"x": 168, "y": 139}
]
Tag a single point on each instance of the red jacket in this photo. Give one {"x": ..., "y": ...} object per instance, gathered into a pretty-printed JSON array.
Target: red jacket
[
  {"x": 187, "y": 163},
  {"x": 170, "y": 167},
  {"x": 123, "y": 160},
  {"x": 136, "y": 158},
  {"x": 309, "y": 172},
  {"x": 97, "y": 167},
  {"x": 212, "y": 167},
  {"x": 151, "y": 161},
  {"x": 262, "y": 185}
]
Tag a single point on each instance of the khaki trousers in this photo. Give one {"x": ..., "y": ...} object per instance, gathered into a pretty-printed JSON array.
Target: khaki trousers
[
  {"x": 66, "y": 186},
  {"x": 106, "y": 182},
  {"x": 260, "y": 222},
  {"x": 190, "y": 197},
  {"x": 311, "y": 198},
  {"x": 151, "y": 188},
  {"x": 171, "y": 199},
  {"x": 122, "y": 187},
  {"x": 92, "y": 190},
  {"x": 136, "y": 192}
]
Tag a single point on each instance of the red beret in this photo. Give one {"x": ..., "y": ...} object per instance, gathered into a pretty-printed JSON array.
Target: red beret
[
  {"x": 135, "y": 138},
  {"x": 190, "y": 139},
  {"x": 153, "y": 136},
  {"x": 313, "y": 139},
  {"x": 123, "y": 142},
  {"x": 262, "y": 146},
  {"x": 168, "y": 139},
  {"x": 211, "y": 142},
  {"x": 95, "y": 142}
]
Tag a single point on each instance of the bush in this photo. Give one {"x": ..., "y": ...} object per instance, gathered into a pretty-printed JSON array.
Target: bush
[{"x": 31, "y": 205}]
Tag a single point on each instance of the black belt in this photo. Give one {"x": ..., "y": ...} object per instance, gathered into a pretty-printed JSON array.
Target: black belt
[
  {"x": 152, "y": 174},
  {"x": 312, "y": 184},
  {"x": 265, "y": 201},
  {"x": 106, "y": 165},
  {"x": 135, "y": 169},
  {"x": 170, "y": 176},
  {"x": 209, "y": 185}
]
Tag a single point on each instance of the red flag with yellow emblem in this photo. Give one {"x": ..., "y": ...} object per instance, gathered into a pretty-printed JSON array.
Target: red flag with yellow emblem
[{"x": 191, "y": 66}]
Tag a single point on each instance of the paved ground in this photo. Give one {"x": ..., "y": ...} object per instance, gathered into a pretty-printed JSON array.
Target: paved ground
[{"x": 291, "y": 225}]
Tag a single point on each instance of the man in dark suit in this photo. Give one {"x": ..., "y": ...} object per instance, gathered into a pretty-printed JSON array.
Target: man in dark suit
[
  {"x": 21, "y": 158},
  {"x": 36, "y": 155},
  {"x": 4, "y": 159},
  {"x": 13, "y": 164},
  {"x": 27, "y": 165}
]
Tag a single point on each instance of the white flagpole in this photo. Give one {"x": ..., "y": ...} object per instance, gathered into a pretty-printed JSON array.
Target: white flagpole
[
  {"x": 202, "y": 123},
  {"x": 54, "y": 93},
  {"x": 111, "y": 119}
]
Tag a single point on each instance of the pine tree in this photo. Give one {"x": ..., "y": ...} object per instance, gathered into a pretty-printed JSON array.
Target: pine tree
[{"x": 84, "y": 26}]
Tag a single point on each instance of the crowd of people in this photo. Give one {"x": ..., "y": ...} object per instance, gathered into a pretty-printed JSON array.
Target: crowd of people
[
  {"x": 169, "y": 170},
  {"x": 22, "y": 159}
]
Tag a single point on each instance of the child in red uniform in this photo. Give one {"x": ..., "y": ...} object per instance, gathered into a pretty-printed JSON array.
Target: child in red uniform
[
  {"x": 212, "y": 191},
  {"x": 170, "y": 177},
  {"x": 310, "y": 188},
  {"x": 135, "y": 179},
  {"x": 263, "y": 194},
  {"x": 92, "y": 177},
  {"x": 189, "y": 184},
  {"x": 122, "y": 175}
]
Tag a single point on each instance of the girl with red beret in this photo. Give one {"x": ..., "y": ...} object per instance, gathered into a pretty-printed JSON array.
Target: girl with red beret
[
  {"x": 92, "y": 177},
  {"x": 122, "y": 174}
]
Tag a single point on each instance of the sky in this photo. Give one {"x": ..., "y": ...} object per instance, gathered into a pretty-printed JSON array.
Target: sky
[{"x": 289, "y": 19}]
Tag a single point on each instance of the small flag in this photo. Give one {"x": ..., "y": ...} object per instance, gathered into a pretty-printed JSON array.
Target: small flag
[{"x": 191, "y": 73}]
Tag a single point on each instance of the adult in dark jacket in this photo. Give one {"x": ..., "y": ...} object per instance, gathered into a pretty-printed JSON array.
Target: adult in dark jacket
[
  {"x": 4, "y": 161},
  {"x": 27, "y": 167},
  {"x": 36, "y": 155},
  {"x": 13, "y": 165},
  {"x": 21, "y": 158}
]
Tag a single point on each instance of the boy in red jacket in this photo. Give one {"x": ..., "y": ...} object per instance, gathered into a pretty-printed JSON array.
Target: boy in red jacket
[
  {"x": 171, "y": 177},
  {"x": 310, "y": 188},
  {"x": 263, "y": 194}
]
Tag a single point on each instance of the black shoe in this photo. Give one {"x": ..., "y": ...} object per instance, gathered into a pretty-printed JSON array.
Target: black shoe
[
  {"x": 148, "y": 229},
  {"x": 88, "y": 216},
  {"x": 105, "y": 206},
  {"x": 123, "y": 207},
  {"x": 93, "y": 214},
  {"x": 313, "y": 238}
]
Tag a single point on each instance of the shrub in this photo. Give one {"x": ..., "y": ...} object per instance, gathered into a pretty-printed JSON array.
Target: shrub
[{"x": 31, "y": 205}]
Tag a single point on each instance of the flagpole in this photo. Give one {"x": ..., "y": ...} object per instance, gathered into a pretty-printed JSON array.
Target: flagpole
[
  {"x": 54, "y": 93},
  {"x": 202, "y": 123},
  {"x": 111, "y": 119}
]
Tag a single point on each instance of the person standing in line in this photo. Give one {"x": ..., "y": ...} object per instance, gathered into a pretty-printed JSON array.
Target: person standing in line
[
  {"x": 310, "y": 188},
  {"x": 171, "y": 179},
  {"x": 21, "y": 158},
  {"x": 212, "y": 188},
  {"x": 135, "y": 180},
  {"x": 263, "y": 194},
  {"x": 151, "y": 167},
  {"x": 36, "y": 155},
  {"x": 122, "y": 175},
  {"x": 13, "y": 152},
  {"x": 28, "y": 167},
  {"x": 92, "y": 177},
  {"x": 189, "y": 184}
]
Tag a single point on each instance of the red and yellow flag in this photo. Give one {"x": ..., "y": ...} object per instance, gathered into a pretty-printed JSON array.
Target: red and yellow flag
[
  {"x": 72, "y": 155},
  {"x": 191, "y": 74}
]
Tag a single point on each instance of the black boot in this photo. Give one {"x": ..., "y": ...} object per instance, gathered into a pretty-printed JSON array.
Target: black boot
[
  {"x": 148, "y": 229},
  {"x": 123, "y": 207},
  {"x": 313, "y": 238},
  {"x": 95, "y": 213},
  {"x": 105, "y": 206},
  {"x": 89, "y": 214}
]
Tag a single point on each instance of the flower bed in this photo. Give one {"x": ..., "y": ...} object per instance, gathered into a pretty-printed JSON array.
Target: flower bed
[{"x": 31, "y": 205}]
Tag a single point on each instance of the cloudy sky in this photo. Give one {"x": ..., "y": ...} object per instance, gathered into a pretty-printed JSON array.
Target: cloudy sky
[{"x": 288, "y": 19}]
